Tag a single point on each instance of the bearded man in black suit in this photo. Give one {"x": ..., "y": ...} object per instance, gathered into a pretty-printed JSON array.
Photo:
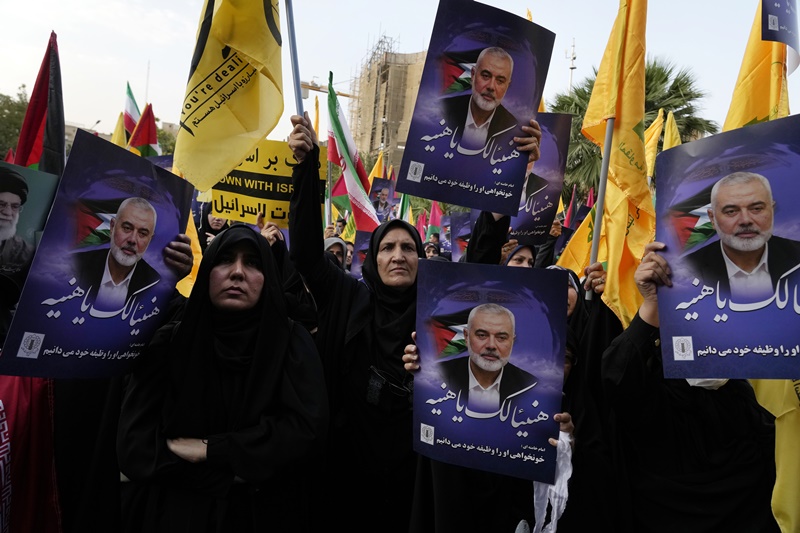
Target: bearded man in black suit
[
  {"x": 748, "y": 261},
  {"x": 486, "y": 379}
]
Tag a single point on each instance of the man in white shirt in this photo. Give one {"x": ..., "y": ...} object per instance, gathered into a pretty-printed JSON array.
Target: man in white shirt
[
  {"x": 115, "y": 274},
  {"x": 486, "y": 378},
  {"x": 748, "y": 261}
]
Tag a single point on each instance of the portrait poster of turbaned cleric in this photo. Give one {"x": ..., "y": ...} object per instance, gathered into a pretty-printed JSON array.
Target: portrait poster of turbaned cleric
[
  {"x": 482, "y": 81},
  {"x": 727, "y": 212},
  {"x": 544, "y": 181},
  {"x": 98, "y": 287},
  {"x": 491, "y": 345}
]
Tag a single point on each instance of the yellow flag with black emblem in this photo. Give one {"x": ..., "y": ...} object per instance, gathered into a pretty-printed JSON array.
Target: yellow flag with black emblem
[
  {"x": 629, "y": 215},
  {"x": 234, "y": 96}
]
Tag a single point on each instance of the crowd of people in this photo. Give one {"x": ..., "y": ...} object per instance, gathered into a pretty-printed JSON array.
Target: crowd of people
[{"x": 278, "y": 396}]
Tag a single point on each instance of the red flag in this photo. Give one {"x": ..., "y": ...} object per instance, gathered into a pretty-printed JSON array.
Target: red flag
[
  {"x": 435, "y": 223},
  {"x": 9, "y": 156},
  {"x": 590, "y": 199},
  {"x": 572, "y": 207},
  {"x": 41, "y": 139}
]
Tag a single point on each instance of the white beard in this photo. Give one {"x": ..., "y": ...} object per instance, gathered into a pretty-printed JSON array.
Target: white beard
[
  {"x": 746, "y": 245},
  {"x": 486, "y": 105},
  {"x": 6, "y": 232},
  {"x": 120, "y": 257},
  {"x": 486, "y": 364}
]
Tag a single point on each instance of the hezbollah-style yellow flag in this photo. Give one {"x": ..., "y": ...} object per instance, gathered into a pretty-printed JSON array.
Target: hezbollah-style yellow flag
[
  {"x": 672, "y": 137},
  {"x": 118, "y": 137},
  {"x": 234, "y": 97},
  {"x": 651, "y": 137},
  {"x": 629, "y": 216},
  {"x": 185, "y": 285},
  {"x": 349, "y": 231},
  {"x": 760, "y": 93},
  {"x": 377, "y": 170},
  {"x": 316, "y": 115}
]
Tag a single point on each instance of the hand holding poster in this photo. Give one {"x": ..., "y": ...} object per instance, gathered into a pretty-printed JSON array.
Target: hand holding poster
[
  {"x": 486, "y": 322},
  {"x": 99, "y": 286},
  {"x": 482, "y": 82},
  {"x": 725, "y": 211}
]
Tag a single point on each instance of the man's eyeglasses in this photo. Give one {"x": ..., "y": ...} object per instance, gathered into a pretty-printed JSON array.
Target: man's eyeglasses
[{"x": 15, "y": 208}]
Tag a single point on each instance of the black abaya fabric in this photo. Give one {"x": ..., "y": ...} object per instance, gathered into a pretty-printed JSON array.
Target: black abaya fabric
[{"x": 251, "y": 384}]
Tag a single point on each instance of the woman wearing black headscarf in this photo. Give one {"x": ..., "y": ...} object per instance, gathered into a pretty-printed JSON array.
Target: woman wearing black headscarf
[
  {"x": 226, "y": 406},
  {"x": 210, "y": 226},
  {"x": 363, "y": 329}
]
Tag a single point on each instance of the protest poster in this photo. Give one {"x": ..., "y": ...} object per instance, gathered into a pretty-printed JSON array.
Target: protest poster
[
  {"x": 460, "y": 148},
  {"x": 507, "y": 434},
  {"x": 544, "y": 182},
  {"x": 383, "y": 199},
  {"x": 779, "y": 23},
  {"x": 262, "y": 183},
  {"x": 734, "y": 314},
  {"x": 98, "y": 287},
  {"x": 360, "y": 248},
  {"x": 21, "y": 225},
  {"x": 460, "y": 231}
]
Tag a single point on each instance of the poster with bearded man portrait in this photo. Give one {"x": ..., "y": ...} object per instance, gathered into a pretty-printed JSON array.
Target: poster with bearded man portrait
[
  {"x": 491, "y": 351},
  {"x": 726, "y": 210},
  {"x": 98, "y": 287}
]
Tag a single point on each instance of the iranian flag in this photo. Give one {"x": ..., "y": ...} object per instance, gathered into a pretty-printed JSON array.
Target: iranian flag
[
  {"x": 132, "y": 113},
  {"x": 340, "y": 142},
  {"x": 144, "y": 139}
]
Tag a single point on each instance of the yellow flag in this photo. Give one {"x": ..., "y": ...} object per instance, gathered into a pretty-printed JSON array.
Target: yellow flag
[
  {"x": 541, "y": 106},
  {"x": 185, "y": 285},
  {"x": 760, "y": 93},
  {"x": 349, "y": 231},
  {"x": 234, "y": 97},
  {"x": 651, "y": 137},
  {"x": 377, "y": 170},
  {"x": 672, "y": 137},
  {"x": 629, "y": 216},
  {"x": 118, "y": 137},
  {"x": 528, "y": 14}
]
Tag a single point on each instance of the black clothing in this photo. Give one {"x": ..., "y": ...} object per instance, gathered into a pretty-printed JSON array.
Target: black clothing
[
  {"x": 204, "y": 227},
  {"x": 250, "y": 383},
  {"x": 363, "y": 329},
  {"x": 89, "y": 268},
  {"x": 692, "y": 459},
  {"x": 456, "y": 375}
]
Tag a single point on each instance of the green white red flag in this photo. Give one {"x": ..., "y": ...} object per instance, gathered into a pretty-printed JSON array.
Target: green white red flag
[
  {"x": 132, "y": 114},
  {"x": 340, "y": 142},
  {"x": 435, "y": 221}
]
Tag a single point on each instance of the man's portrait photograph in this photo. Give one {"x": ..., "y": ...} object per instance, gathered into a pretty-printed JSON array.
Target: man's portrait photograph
[
  {"x": 491, "y": 343},
  {"x": 482, "y": 81},
  {"x": 725, "y": 208}
]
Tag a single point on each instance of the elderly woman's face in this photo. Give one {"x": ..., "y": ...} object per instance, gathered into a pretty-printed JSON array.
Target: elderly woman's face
[
  {"x": 397, "y": 259},
  {"x": 237, "y": 279},
  {"x": 572, "y": 300}
]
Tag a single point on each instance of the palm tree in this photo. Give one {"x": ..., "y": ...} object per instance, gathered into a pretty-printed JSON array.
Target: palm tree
[{"x": 666, "y": 87}]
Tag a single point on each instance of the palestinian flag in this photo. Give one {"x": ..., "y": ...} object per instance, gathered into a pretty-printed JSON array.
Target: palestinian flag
[
  {"x": 339, "y": 196},
  {"x": 689, "y": 219},
  {"x": 41, "y": 139},
  {"x": 448, "y": 333},
  {"x": 9, "y": 156},
  {"x": 435, "y": 222},
  {"x": 132, "y": 114},
  {"x": 144, "y": 139},
  {"x": 456, "y": 69},
  {"x": 93, "y": 221}
]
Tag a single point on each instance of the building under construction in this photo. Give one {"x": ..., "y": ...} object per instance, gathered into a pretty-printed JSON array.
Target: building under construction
[{"x": 385, "y": 91}]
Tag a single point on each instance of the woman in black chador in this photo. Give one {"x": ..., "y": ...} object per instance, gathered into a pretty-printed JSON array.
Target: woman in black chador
[{"x": 225, "y": 408}]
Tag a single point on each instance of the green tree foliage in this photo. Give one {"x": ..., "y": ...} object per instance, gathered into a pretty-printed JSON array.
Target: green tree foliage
[
  {"x": 12, "y": 113},
  {"x": 166, "y": 141},
  {"x": 666, "y": 86}
]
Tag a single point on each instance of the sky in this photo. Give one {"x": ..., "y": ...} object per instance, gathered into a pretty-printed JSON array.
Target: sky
[{"x": 105, "y": 43}]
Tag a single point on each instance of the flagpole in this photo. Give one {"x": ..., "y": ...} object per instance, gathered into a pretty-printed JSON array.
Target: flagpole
[
  {"x": 328, "y": 201},
  {"x": 298, "y": 95},
  {"x": 601, "y": 197}
]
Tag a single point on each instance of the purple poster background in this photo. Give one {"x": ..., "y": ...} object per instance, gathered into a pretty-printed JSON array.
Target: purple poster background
[
  {"x": 360, "y": 247},
  {"x": 460, "y": 232},
  {"x": 543, "y": 185},
  {"x": 436, "y": 164},
  {"x": 57, "y": 332},
  {"x": 705, "y": 333},
  {"x": 779, "y": 23},
  {"x": 513, "y": 440}
]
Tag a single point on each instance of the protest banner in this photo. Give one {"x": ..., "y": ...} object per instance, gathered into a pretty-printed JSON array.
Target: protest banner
[{"x": 262, "y": 183}]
